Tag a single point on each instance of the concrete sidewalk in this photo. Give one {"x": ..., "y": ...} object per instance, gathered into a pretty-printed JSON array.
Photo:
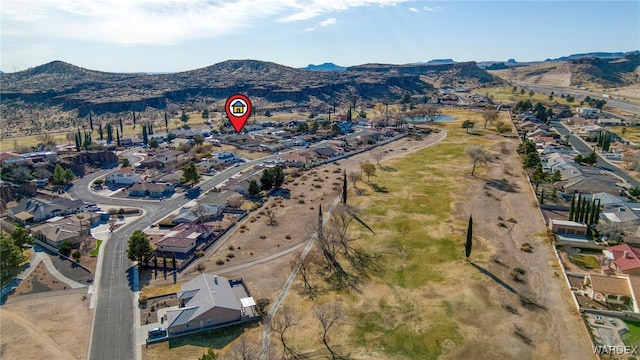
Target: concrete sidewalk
[{"x": 52, "y": 269}]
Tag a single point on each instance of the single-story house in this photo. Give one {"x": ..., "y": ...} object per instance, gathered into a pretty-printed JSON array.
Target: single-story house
[
  {"x": 57, "y": 230},
  {"x": 613, "y": 290},
  {"x": 622, "y": 259},
  {"x": 208, "y": 301},
  {"x": 184, "y": 238},
  {"x": 151, "y": 163},
  {"x": 35, "y": 210},
  {"x": 199, "y": 213},
  {"x": 124, "y": 176},
  {"x": 154, "y": 190},
  {"x": 567, "y": 227}
]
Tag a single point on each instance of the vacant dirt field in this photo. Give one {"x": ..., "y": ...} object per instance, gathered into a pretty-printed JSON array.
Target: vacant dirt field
[{"x": 55, "y": 327}]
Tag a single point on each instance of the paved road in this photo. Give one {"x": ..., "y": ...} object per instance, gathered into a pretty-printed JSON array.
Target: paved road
[
  {"x": 581, "y": 94},
  {"x": 113, "y": 325},
  {"x": 584, "y": 149}
]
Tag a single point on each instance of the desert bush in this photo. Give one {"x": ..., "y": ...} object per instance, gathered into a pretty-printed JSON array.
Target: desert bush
[
  {"x": 220, "y": 262},
  {"x": 288, "y": 237}
]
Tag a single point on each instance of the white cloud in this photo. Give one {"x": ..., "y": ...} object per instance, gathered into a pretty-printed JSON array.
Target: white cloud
[
  {"x": 308, "y": 9},
  {"x": 329, "y": 21},
  {"x": 412, "y": 9},
  {"x": 426, "y": 8}
]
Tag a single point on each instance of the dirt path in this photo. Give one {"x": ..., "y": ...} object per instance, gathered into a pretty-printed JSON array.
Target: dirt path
[
  {"x": 509, "y": 217},
  {"x": 36, "y": 338}
]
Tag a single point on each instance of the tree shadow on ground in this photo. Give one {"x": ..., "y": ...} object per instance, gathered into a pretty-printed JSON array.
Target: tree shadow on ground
[
  {"x": 387, "y": 168},
  {"x": 378, "y": 188},
  {"x": 285, "y": 193},
  {"x": 494, "y": 278},
  {"x": 502, "y": 185}
]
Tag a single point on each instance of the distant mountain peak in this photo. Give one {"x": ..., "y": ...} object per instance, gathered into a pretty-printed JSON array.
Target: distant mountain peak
[
  {"x": 440, "y": 61},
  {"x": 328, "y": 66}
]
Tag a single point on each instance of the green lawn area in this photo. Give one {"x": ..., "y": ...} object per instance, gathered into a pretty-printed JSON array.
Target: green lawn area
[
  {"x": 586, "y": 261},
  {"x": 415, "y": 249},
  {"x": 632, "y": 338},
  {"x": 631, "y": 133},
  {"x": 505, "y": 94},
  {"x": 95, "y": 251}
]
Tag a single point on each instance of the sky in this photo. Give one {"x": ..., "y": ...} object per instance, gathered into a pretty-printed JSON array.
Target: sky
[{"x": 179, "y": 35}]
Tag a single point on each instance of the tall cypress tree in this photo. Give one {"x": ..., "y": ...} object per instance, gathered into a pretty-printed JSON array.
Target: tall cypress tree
[
  {"x": 150, "y": 128},
  {"x": 117, "y": 137},
  {"x": 109, "y": 133},
  {"x": 100, "y": 132},
  {"x": 583, "y": 212},
  {"x": 344, "y": 187},
  {"x": 587, "y": 212},
  {"x": 144, "y": 134},
  {"x": 90, "y": 121},
  {"x": 572, "y": 209},
  {"x": 77, "y": 138},
  {"x": 595, "y": 216},
  {"x": 134, "y": 118},
  {"x": 121, "y": 128},
  {"x": 467, "y": 245},
  {"x": 166, "y": 122},
  {"x": 576, "y": 216}
]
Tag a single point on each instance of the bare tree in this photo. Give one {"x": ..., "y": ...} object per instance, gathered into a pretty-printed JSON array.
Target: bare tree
[
  {"x": 200, "y": 212},
  {"x": 354, "y": 177},
  {"x": 272, "y": 219},
  {"x": 489, "y": 115},
  {"x": 306, "y": 266},
  {"x": 377, "y": 154},
  {"x": 613, "y": 232},
  {"x": 478, "y": 155},
  {"x": 280, "y": 323},
  {"x": 328, "y": 314},
  {"x": 244, "y": 350},
  {"x": 235, "y": 201},
  {"x": 341, "y": 218}
]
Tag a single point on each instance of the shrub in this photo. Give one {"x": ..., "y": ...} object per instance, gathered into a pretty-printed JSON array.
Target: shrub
[
  {"x": 230, "y": 247},
  {"x": 142, "y": 300},
  {"x": 199, "y": 254},
  {"x": 263, "y": 236},
  {"x": 231, "y": 255},
  {"x": 261, "y": 305},
  {"x": 301, "y": 201},
  {"x": 220, "y": 262},
  {"x": 502, "y": 225},
  {"x": 288, "y": 237},
  {"x": 512, "y": 220}
]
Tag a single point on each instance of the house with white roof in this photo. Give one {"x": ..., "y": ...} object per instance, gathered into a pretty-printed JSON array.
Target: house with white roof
[{"x": 124, "y": 176}]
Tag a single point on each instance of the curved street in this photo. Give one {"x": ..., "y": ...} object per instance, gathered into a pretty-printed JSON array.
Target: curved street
[
  {"x": 585, "y": 149},
  {"x": 112, "y": 334}
]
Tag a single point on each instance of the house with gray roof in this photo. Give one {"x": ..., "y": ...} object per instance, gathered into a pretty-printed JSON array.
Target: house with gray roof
[
  {"x": 209, "y": 301},
  {"x": 199, "y": 213},
  {"x": 35, "y": 210}
]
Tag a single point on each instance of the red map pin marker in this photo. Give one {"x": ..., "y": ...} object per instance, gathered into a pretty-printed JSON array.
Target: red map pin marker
[{"x": 238, "y": 109}]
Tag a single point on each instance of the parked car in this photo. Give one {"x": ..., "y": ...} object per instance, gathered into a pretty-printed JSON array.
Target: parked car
[{"x": 157, "y": 332}]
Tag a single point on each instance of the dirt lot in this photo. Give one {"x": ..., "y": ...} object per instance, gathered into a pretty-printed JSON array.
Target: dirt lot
[{"x": 46, "y": 328}]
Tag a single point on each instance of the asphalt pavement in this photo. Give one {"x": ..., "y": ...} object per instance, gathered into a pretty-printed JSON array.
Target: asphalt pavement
[
  {"x": 113, "y": 325},
  {"x": 585, "y": 149}
]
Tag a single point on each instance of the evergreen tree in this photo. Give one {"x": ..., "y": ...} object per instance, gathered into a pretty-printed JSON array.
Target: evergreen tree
[
  {"x": 118, "y": 137},
  {"x": 254, "y": 188},
  {"x": 587, "y": 212},
  {"x": 134, "y": 119},
  {"x": 467, "y": 245},
  {"x": 78, "y": 145},
  {"x": 100, "y": 132},
  {"x": 344, "y": 187},
  {"x": 596, "y": 215},
  {"x": 166, "y": 122},
  {"x": 109, "y": 129},
  {"x": 139, "y": 248},
  {"x": 150, "y": 128},
  {"x": 278, "y": 176},
  {"x": 572, "y": 209},
  {"x": 542, "y": 197},
  {"x": 90, "y": 121},
  {"x": 576, "y": 217},
  {"x": 145, "y": 139},
  {"x": 190, "y": 174},
  {"x": 121, "y": 127}
]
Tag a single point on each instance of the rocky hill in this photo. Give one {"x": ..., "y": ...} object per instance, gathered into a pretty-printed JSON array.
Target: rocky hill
[
  {"x": 593, "y": 72},
  {"x": 71, "y": 87},
  {"x": 451, "y": 74}
]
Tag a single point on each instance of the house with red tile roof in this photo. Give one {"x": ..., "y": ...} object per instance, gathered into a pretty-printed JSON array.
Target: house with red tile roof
[{"x": 622, "y": 259}]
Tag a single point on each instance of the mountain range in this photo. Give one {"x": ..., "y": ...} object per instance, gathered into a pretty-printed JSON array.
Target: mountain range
[
  {"x": 75, "y": 91},
  {"x": 59, "y": 84}
]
